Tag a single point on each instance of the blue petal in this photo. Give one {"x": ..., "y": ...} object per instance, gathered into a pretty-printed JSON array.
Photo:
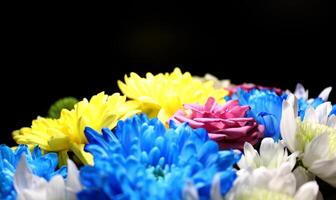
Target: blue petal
[
  {"x": 6, "y": 153},
  {"x": 227, "y": 179},
  {"x": 36, "y": 152},
  {"x": 92, "y": 194},
  {"x": 333, "y": 111}
]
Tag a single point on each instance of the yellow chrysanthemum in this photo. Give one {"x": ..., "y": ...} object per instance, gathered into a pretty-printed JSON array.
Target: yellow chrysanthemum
[
  {"x": 163, "y": 94},
  {"x": 67, "y": 132}
]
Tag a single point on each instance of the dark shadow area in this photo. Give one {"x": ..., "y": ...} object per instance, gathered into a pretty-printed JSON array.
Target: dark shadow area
[{"x": 80, "y": 50}]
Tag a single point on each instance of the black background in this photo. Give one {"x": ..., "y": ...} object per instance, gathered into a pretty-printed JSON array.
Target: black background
[{"x": 52, "y": 51}]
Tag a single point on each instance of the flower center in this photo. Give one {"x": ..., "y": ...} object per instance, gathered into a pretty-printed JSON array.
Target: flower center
[
  {"x": 263, "y": 194},
  {"x": 159, "y": 173},
  {"x": 307, "y": 131}
]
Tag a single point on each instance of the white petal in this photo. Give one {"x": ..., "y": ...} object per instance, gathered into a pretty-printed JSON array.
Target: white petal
[
  {"x": 242, "y": 164},
  {"x": 322, "y": 112},
  {"x": 284, "y": 181},
  {"x": 326, "y": 170},
  {"x": 302, "y": 176},
  {"x": 317, "y": 149},
  {"x": 27, "y": 185},
  {"x": 300, "y": 92},
  {"x": 332, "y": 121},
  {"x": 72, "y": 184},
  {"x": 23, "y": 176},
  {"x": 308, "y": 191},
  {"x": 261, "y": 177},
  {"x": 250, "y": 158},
  {"x": 284, "y": 169},
  {"x": 56, "y": 188},
  {"x": 292, "y": 100},
  {"x": 291, "y": 159},
  {"x": 32, "y": 194},
  {"x": 288, "y": 126},
  {"x": 310, "y": 115},
  {"x": 190, "y": 192},
  {"x": 325, "y": 93},
  {"x": 241, "y": 184},
  {"x": 215, "y": 188},
  {"x": 269, "y": 152}
]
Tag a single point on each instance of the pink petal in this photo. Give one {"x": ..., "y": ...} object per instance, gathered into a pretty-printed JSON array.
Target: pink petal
[
  {"x": 191, "y": 122},
  {"x": 210, "y": 104}
]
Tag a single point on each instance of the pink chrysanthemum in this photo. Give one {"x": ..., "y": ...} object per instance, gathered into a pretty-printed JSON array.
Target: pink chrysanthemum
[{"x": 226, "y": 124}]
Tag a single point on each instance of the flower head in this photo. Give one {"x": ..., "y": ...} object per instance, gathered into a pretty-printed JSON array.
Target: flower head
[
  {"x": 226, "y": 124},
  {"x": 270, "y": 184},
  {"x": 67, "y": 132},
  {"x": 314, "y": 137},
  {"x": 32, "y": 187},
  {"x": 163, "y": 94},
  {"x": 143, "y": 160},
  {"x": 265, "y": 108},
  {"x": 272, "y": 155},
  {"x": 41, "y": 165}
]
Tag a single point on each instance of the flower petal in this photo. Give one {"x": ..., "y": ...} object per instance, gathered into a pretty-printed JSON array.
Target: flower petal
[
  {"x": 288, "y": 126},
  {"x": 292, "y": 100},
  {"x": 27, "y": 185},
  {"x": 300, "y": 92},
  {"x": 23, "y": 175},
  {"x": 250, "y": 158},
  {"x": 316, "y": 150},
  {"x": 310, "y": 115},
  {"x": 326, "y": 170},
  {"x": 332, "y": 121},
  {"x": 322, "y": 112},
  {"x": 215, "y": 188},
  {"x": 190, "y": 192},
  {"x": 302, "y": 176},
  {"x": 325, "y": 93},
  {"x": 308, "y": 191},
  {"x": 267, "y": 150},
  {"x": 284, "y": 181},
  {"x": 72, "y": 184},
  {"x": 56, "y": 188}
]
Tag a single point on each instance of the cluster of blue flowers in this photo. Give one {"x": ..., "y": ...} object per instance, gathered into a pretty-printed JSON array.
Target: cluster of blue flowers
[{"x": 143, "y": 160}]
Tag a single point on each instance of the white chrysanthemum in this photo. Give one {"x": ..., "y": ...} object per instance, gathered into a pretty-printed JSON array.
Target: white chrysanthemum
[
  {"x": 271, "y": 184},
  {"x": 314, "y": 137},
  {"x": 272, "y": 155},
  {"x": 31, "y": 187}
]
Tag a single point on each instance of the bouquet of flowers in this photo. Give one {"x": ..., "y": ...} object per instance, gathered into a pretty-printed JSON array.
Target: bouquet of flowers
[{"x": 176, "y": 136}]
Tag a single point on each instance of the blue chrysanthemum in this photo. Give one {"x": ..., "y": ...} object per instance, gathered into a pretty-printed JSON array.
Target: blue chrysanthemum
[
  {"x": 266, "y": 108},
  {"x": 143, "y": 160},
  {"x": 41, "y": 165}
]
